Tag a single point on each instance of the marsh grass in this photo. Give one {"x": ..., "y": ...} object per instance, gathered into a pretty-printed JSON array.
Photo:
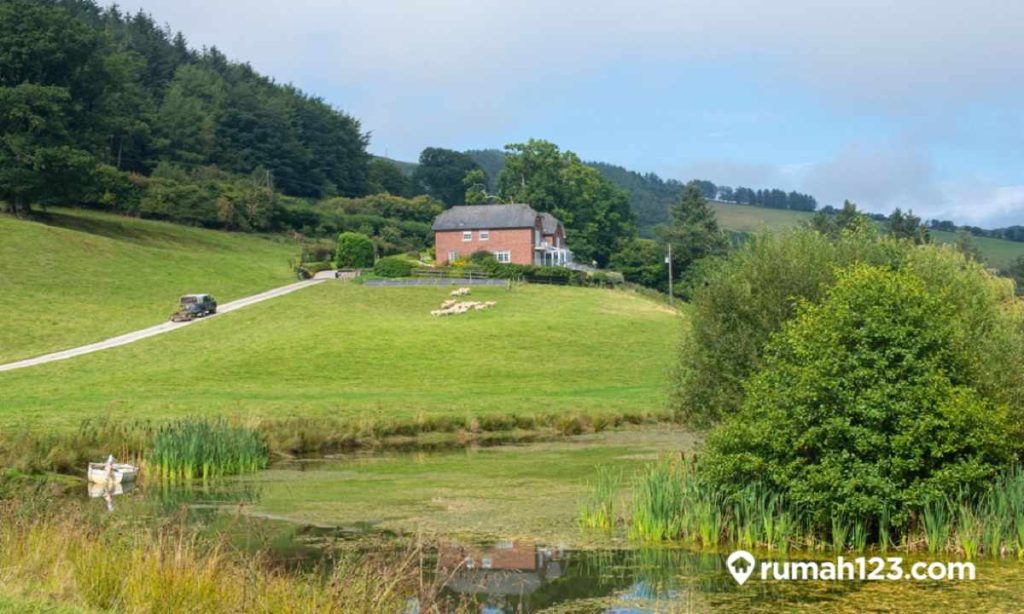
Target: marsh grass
[
  {"x": 936, "y": 521},
  {"x": 670, "y": 504},
  {"x": 657, "y": 498},
  {"x": 598, "y": 509},
  {"x": 203, "y": 449},
  {"x": 32, "y": 450},
  {"x": 81, "y": 559}
]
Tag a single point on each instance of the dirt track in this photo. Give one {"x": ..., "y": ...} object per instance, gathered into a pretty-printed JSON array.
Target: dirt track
[{"x": 159, "y": 329}]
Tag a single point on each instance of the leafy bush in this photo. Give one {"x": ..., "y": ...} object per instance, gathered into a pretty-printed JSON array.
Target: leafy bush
[
  {"x": 879, "y": 398},
  {"x": 355, "y": 251},
  {"x": 393, "y": 266},
  {"x": 740, "y": 301},
  {"x": 482, "y": 257}
]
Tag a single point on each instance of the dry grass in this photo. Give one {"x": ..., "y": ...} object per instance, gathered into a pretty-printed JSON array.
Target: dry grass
[{"x": 71, "y": 558}]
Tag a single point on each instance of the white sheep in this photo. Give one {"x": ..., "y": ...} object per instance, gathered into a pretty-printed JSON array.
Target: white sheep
[{"x": 451, "y": 307}]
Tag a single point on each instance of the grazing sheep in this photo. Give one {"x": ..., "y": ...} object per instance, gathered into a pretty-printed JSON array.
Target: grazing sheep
[{"x": 450, "y": 307}]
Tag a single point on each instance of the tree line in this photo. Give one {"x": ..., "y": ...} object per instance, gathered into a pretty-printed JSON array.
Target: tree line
[{"x": 94, "y": 102}]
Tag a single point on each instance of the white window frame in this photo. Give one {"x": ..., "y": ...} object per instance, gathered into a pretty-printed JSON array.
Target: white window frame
[
  {"x": 485, "y": 235},
  {"x": 504, "y": 257},
  {"x": 453, "y": 255},
  {"x": 467, "y": 236}
]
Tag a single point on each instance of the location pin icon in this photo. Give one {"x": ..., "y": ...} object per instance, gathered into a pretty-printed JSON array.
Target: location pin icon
[{"x": 741, "y": 565}]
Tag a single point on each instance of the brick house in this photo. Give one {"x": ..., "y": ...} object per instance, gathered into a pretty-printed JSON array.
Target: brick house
[{"x": 513, "y": 233}]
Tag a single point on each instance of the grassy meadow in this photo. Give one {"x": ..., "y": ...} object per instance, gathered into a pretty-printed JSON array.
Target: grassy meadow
[
  {"x": 80, "y": 276},
  {"x": 744, "y": 218},
  {"x": 353, "y": 352}
]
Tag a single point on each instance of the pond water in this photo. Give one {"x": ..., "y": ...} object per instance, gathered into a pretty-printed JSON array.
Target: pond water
[{"x": 501, "y": 524}]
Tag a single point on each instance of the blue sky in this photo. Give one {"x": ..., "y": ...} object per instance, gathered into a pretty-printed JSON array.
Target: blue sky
[{"x": 914, "y": 103}]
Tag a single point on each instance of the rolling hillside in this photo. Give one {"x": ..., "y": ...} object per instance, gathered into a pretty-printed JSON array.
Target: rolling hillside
[
  {"x": 355, "y": 352},
  {"x": 84, "y": 276},
  {"x": 743, "y": 218}
]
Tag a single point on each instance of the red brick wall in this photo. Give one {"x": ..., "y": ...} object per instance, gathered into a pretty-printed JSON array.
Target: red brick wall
[
  {"x": 519, "y": 241},
  {"x": 553, "y": 239}
]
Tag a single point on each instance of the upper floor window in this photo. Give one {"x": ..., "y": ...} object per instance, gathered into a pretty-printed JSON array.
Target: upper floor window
[
  {"x": 467, "y": 235},
  {"x": 485, "y": 234}
]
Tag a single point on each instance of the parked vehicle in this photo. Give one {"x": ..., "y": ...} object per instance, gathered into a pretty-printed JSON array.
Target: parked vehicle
[{"x": 194, "y": 306}]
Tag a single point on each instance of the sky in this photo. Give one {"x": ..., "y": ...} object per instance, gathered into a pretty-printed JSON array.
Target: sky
[{"x": 896, "y": 103}]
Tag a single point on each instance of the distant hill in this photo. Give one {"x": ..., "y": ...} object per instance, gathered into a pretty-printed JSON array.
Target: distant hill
[
  {"x": 408, "y": 168},
  {"x": 649, "y": 195},
  {"x": 492, "y": 161},
  {"x": 998, "y": 253}
]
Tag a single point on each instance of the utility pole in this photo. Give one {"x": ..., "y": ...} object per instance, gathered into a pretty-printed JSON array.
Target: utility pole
[{"x": 668, "y": 261}]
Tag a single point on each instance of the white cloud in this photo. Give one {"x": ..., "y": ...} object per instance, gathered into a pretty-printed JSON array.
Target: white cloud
[
  {"x": 445, "y": 71},
  {"x": 895, "y": 52}
]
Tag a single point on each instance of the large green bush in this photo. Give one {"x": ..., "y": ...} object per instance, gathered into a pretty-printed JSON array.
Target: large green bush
[
  {"x": 393, "y": 266},
  {"x": 738, "y": 302},
  {"x": 355, "y": 251},
  {"x": 899, "y": 385}
]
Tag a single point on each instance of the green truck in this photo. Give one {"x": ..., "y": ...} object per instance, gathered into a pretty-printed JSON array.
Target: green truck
[{"x": 194, "y": 306}]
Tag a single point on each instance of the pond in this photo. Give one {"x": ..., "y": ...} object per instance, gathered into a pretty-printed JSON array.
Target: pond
[{"x": 500, "y": 522}]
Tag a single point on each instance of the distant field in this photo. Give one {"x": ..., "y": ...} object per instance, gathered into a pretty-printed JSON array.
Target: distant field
[
  {"x": 743, "y": 218},
  {"x": 83, "y": 276},
  {"x": 349, "y": 351},
  {"x": 997, "y": 252}
]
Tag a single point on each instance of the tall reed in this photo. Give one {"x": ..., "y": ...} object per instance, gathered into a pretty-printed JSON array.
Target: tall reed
[
  {"x": 597, "y": 511},
  {"x": 658, "y": 499},
  {"x": 205, "y": 448},
  {"x": 670, "y": 503},
  {"x": 936, "y": 522}
]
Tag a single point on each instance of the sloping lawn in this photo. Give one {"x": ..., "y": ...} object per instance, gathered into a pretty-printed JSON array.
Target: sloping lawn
[
  {"x": 345, "y": 350},
  {"x": 79, "y": 276}
]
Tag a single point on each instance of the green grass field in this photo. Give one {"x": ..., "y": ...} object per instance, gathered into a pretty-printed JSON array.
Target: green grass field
[
  {"x": 83, "y": 276},
  {"x": 350, "y": 351},
  {"x": 743, "y": 218}
]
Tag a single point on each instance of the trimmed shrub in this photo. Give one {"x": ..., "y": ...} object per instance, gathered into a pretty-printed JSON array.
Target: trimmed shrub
[
  {"x": 355, "y": 251},
  {"x": 393, "y": 266}
]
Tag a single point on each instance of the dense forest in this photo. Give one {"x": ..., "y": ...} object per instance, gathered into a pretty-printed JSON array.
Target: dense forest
[{"x": 102, "y": 107}]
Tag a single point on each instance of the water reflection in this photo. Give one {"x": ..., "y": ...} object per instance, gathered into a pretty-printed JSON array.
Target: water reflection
[
  {"x": 108, "y": 490},
  {"x": 517, "y": 576}
]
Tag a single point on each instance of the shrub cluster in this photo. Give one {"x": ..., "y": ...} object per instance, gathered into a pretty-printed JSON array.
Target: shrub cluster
[
  {"x": 394, "y": 266},
  {"x": 860, "y": 377},
  {"x": 355, "y": 251}
]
